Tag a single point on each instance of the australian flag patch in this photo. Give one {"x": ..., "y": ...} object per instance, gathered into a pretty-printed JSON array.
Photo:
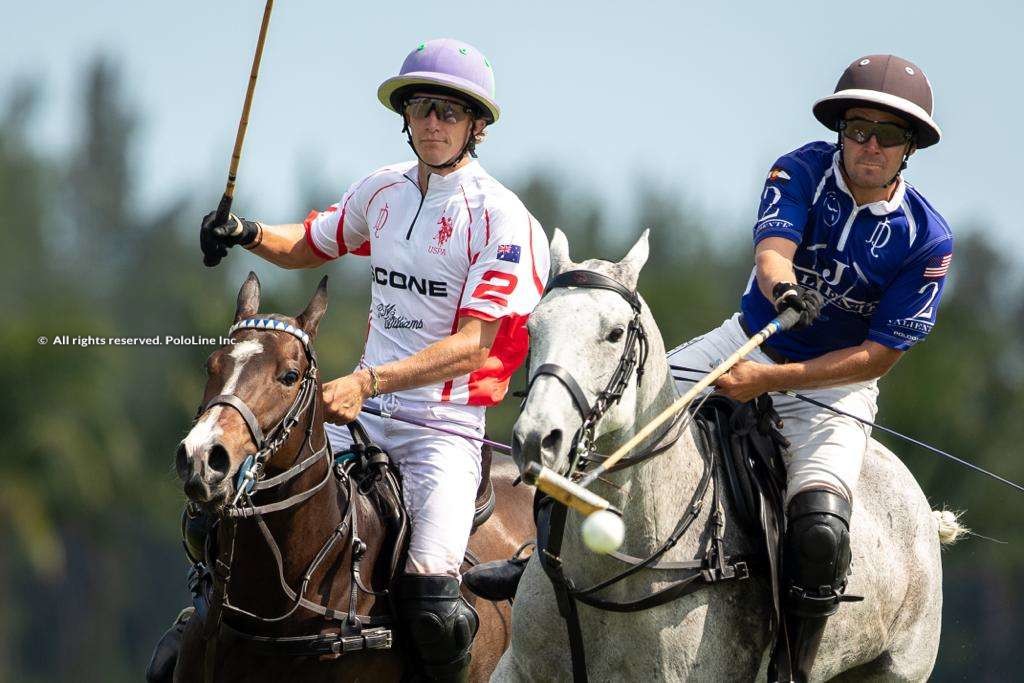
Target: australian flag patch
[{"x": 509, "y": 252}]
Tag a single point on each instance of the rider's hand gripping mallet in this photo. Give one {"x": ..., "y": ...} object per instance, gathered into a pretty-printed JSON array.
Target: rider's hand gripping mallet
[
  {"x": 224, "y": 208},
  {"x": 607, "y": 527}
]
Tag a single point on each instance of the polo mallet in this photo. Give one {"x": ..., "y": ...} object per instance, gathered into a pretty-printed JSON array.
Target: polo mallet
[
  {"x": 224, "y": 208},
  {"x": 606, "y": 530}
]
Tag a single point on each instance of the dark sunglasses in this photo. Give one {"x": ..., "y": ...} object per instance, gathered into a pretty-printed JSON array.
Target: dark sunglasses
[
  {"x": 447, "y": 111},
  {"x": 887, "y": 134}
]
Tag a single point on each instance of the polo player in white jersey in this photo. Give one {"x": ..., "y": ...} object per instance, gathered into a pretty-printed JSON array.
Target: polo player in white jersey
[{"x": 457, "y": 263}]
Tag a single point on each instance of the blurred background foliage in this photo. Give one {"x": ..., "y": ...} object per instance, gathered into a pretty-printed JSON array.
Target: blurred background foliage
[{"x": 91, "y": 569}]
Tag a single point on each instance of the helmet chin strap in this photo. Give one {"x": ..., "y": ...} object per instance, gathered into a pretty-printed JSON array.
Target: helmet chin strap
[
  {"x": 903, "y": 166},
  {"x": 455, "y": 160}
]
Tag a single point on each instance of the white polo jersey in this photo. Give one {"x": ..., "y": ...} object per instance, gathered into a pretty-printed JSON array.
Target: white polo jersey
[{"x": 467, "y": 248}]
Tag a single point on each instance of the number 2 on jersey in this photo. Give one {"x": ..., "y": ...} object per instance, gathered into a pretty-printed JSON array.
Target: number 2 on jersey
[{"x": 490, "y": 289}]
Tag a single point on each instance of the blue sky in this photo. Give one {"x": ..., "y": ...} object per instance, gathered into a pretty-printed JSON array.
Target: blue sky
[{"x": 698, "y": 98}]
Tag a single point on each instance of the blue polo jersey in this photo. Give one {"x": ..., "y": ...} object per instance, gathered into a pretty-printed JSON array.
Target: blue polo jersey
[{"x": 880, "y": 267}]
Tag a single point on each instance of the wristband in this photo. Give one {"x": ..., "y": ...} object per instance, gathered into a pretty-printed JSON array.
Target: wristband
[
  {"x": 258, "y": 240},
  {"x": 782, "y": 290}
]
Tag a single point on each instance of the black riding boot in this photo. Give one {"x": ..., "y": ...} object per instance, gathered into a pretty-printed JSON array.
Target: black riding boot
[
  {"x": 499, "y": 579},
  {"x": 165, "y": 655},
  {"x": 441, "y": 624},
  {"x": 816, "y": 560}
]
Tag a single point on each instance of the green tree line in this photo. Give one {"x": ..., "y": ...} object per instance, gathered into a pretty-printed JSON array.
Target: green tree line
[{"x": 91, "y": 568}]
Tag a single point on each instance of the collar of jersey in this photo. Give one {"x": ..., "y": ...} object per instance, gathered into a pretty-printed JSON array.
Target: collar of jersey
[
  {"x": 454, "y": 178},
  {"x": 879, "y": 208}
]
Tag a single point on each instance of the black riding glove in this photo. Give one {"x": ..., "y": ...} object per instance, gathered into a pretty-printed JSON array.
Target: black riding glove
[
  {"x": 807, "y": 302},
  {"x": 216, "y": 239}
]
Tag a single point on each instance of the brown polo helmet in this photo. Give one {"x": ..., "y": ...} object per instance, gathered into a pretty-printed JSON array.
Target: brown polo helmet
[{"x": 883, "y": 82}]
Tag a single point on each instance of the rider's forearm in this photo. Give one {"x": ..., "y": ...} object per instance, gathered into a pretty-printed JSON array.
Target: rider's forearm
[
  {"x": 286, "y": 246},
  {"x": 861, "y": 363},
  {"x": 451, "y": 357},
  {"x": 774, "y": 260}
]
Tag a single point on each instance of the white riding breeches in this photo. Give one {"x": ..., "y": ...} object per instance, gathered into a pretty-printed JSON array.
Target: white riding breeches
[
  {"x": 440, "y": 475},
  {"x": 826, "y": 449}
]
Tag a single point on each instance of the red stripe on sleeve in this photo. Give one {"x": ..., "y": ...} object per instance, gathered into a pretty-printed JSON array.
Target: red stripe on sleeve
[
  {"x": 308, "y": 223},
  {"x": 533, "y": 261},
  {"x": 487, "y": 226},
  {"x": 473, "y": 313}
]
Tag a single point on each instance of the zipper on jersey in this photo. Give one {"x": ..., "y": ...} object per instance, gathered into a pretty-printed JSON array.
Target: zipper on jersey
[{"x": 418, "y": 209}]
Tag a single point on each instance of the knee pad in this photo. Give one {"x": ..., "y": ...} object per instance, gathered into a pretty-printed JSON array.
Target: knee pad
[
  {"x": 816, "y": 556},
  {"x": 441, "y": 623}
]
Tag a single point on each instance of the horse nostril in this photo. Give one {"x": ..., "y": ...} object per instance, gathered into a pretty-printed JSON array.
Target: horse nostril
[
  {"x": 219, "y": 460},
  {"x": 552, "y": 441},
  {"x": 181, "y": 462}
]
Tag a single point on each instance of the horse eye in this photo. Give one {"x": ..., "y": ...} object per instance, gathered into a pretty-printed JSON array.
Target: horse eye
[
  {"x": 289, "y": 378},
  {"x": 616, "y": 334}
]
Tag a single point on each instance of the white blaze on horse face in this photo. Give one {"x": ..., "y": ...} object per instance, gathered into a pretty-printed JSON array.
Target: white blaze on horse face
[{"x": 206, "y": 432}]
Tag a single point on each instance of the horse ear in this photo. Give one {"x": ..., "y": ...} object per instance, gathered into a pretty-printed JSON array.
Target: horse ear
[
  {"x": 309, "y": 319},
  {"x": 559, "y": 253},
  {"x": 248, "y": 297},
  {"x": 637, "y": 256}
]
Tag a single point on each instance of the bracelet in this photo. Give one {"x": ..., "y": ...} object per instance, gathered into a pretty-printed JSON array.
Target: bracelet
[{"x": 374, "y": 382}]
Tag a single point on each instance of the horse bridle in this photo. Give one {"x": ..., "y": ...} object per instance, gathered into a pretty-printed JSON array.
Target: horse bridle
[
  {"x": 634, "y": 357},
  {"x": 360, "y": 632},
  {"x": 715, "y": 567},
  {"x": 250, "y": 477}
]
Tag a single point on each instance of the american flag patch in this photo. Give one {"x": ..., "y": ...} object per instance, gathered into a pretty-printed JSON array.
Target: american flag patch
[
  {"x": 509, "y": 252},
  {"x": 937, "y": 266}
]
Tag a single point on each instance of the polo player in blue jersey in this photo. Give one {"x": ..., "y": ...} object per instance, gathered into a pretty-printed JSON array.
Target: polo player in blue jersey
[{"x": 842, "y": 238}]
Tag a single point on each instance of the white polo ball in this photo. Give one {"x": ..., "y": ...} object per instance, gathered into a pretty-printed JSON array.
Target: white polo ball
[{"x": 603, "y": 531}]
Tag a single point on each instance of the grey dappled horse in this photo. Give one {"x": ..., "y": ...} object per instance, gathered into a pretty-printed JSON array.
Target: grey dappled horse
[{"x": 719, "y": 633}]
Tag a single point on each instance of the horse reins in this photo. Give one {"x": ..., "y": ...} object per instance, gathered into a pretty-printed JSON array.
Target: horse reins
[{"x": 716, "y": 566}]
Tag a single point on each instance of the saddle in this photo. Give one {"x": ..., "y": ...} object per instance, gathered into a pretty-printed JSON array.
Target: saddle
[{"x": 745, "y": 439}]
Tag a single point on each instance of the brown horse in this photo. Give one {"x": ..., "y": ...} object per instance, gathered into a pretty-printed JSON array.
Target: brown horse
[{"x": 308, "y": 547}]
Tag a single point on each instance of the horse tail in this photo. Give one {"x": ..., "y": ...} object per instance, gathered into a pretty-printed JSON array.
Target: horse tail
[{"x": 950, "y": 528}]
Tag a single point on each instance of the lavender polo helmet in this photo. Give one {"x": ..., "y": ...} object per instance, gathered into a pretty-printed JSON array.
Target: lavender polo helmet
[{"x": 444, "y": 64}]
